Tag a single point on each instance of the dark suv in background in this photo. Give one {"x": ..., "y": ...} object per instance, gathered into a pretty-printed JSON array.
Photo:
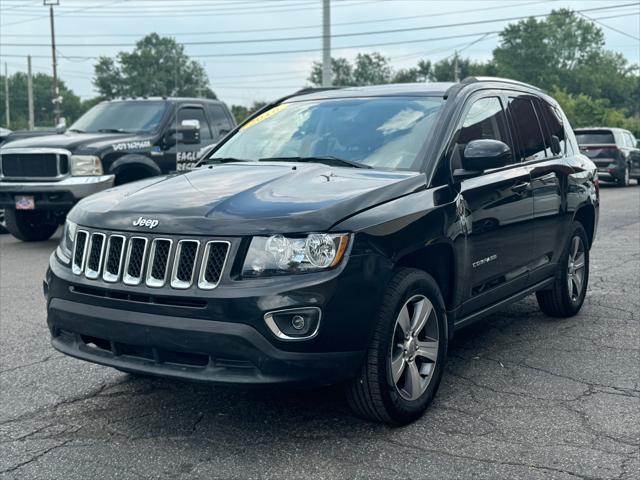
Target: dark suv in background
[
  {"x": 338, "y": 235},
  {"x": 614, "y": 151}
]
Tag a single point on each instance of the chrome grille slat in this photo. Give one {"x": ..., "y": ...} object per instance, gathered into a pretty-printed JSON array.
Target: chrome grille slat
[
  {"x": 135, "y": 261},
  {"x": 114, "y": 256},
  {"x": 214, "y": 261},
  {"x": 158, "y": 266},
  {"x": 79, "y": 251},
  {"x": 95, "y": 253},
  {"x": 184, "y": 263}
]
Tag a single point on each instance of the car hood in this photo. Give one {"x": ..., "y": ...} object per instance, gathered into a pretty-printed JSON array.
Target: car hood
[
  {"x": 80, "y": 142},
  {"x": 245, "y": 199}
]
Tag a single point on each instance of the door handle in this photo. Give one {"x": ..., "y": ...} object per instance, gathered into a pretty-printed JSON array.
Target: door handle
[{"x": 520, "y": 187}]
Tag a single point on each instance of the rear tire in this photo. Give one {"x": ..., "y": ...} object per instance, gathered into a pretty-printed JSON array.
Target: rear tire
[
  {"x": 405, "y": 359},
  {"x": 625, "y": 179},
  {"x": 30, "y": 226},
  {"x": 566, "y": 296},
  {"x": 3, "y": 224}
]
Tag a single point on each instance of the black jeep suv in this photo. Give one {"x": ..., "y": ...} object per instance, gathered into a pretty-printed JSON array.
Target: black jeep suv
[{"x": 337, "y": 236}]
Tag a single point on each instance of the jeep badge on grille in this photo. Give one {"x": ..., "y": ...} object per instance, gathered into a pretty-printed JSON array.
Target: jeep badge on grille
[{"x": 146, "y": 222}]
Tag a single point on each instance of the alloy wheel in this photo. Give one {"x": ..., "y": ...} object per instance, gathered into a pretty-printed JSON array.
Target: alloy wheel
[
  {"x": 414, "y": 351},
  {"x": 576, "y": 269}
]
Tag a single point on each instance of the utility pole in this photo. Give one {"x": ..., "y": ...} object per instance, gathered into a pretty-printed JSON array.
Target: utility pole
[
  {"x": 7, "y": 107},
  {"x": 30, "y": 93},
  {"x": 56, "y": 91},
  {"x": 326, "y": 43},
  {"x": 456, "y": 75}
]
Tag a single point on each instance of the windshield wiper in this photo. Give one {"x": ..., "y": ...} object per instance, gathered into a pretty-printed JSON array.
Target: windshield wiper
[
  {"x": 76, "y": 130},
  {"x": 328, "y": 160},
  {"x": 113, "y": 130},
  {"x": 209, "y": 161}
]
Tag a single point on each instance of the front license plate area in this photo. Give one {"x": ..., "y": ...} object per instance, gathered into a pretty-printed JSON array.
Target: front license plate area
[{"x": 25, "y": 202}]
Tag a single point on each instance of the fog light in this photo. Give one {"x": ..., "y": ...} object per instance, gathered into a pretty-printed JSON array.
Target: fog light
[
  {"x": 298, "y": 322},
  {"x": 294, "y": 324}
]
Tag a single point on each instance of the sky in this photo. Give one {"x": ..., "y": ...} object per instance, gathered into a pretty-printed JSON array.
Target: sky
[{"x": 244, "y": 67}]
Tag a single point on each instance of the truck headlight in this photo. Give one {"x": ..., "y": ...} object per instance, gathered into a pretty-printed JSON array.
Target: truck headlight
[
  {"x": 65, "y": 248},
  {"x": 85, "y": 165},
  {"x": 280, "y": 255}
]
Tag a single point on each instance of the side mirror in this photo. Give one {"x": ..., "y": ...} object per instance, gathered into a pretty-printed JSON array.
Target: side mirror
[
  {"x": 188, "y": 131},
  {"x": 480, "y": 155},
  {"x": 485, "y": 154},
  {"x": 556, "y": 148}
]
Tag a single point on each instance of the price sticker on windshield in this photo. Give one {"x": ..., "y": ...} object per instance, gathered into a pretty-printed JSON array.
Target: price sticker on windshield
[{"x": 263, "y": 116}]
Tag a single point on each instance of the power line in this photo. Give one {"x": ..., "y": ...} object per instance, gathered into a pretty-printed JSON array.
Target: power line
[
  {"x": 200, "y": 13},
  {"x": 280, "y": 52},
  {"x": 300, "y": 27},
  {"x": 317, "y": 37},
  {"x": 609, "y": 27}
]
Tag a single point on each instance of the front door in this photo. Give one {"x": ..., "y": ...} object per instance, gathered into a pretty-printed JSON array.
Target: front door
[
  {"x": 498, "y": 207},
  {"x": 183, "y": 156}
]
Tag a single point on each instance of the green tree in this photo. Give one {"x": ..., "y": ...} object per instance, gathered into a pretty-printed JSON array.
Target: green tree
[
  {"x": 71, "y": 106},
  {"x": 543, "y": 52},
  {"x": 585, "y": 111},
  {"x": 444, "y": 70},
  {"x": 367, "y": 69},
  {"x": 157, "y": 66},
  {"x": 240, "y": 112}
]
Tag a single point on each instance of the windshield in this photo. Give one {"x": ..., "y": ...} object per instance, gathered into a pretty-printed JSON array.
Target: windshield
[
  {"x": 122, "y": 117},
  {"x": 383, "y": 132},
  {"x": 594, "y": 137}
]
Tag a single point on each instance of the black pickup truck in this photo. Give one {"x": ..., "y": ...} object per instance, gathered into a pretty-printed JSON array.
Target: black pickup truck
[{"x": 115, "y": 142}]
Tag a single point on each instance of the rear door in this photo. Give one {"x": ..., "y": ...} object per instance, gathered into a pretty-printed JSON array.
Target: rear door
[
  {"x": 544, "y": 155},
  {"x": 498, "y": 208}
]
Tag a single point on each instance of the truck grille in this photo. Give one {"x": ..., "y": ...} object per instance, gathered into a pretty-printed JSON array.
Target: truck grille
[
  {"x": 34, "y": 165},
  {"x": 155, "y": 262}
]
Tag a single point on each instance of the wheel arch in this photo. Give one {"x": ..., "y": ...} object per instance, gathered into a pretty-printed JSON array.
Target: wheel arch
[
  {"x": 143, "y": 166},
  {"x": 437, "y": 260},
  {"x": 586, "y": 215}
]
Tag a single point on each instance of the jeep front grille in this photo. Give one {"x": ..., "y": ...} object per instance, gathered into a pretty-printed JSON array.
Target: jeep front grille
[
  {"x": 213, "y": 263},
  {"x": 153, "y": 261},
  {"x": 134, "y": 263},
  {"x": 158, "y": 262},
  {"x": 115, "y": 250},
  {"x": 183, "y": 267}
]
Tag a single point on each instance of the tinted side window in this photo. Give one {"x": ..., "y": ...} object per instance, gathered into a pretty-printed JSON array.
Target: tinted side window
[
  {"x": 196, "y": 113},
  {"x": 554, "y": 127},
  {"x": 629, "y": 139},
  {"x": 220, "y": 121},
  {"x": 484, "y": 120},
  {"x": 528, "y": 130}
]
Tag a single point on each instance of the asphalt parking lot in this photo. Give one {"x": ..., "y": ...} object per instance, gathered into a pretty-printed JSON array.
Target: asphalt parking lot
[{"x": 524, "y": 396}]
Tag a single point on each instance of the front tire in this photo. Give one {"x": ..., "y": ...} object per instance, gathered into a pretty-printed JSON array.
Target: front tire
[
  {"x": 405, "y": 359},
  {"x": 29, "y": 226},
  {"x": 566, "y": 296}
]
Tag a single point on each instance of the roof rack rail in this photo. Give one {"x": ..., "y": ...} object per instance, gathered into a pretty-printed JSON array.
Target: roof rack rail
[{"x": 468, "y": 80}]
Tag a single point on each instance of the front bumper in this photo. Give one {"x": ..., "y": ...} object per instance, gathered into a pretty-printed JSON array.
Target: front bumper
[
  {"x": 188, "y": 348},
  {"x": 59, "y": 195},
  {"x": 223, "y": 338}
]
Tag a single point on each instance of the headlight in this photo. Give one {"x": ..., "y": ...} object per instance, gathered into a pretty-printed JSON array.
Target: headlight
[
  {"x": 280, "y": 255},
  {"x": 65, "y": 249},
  {"x": 85, "y": 165}
]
